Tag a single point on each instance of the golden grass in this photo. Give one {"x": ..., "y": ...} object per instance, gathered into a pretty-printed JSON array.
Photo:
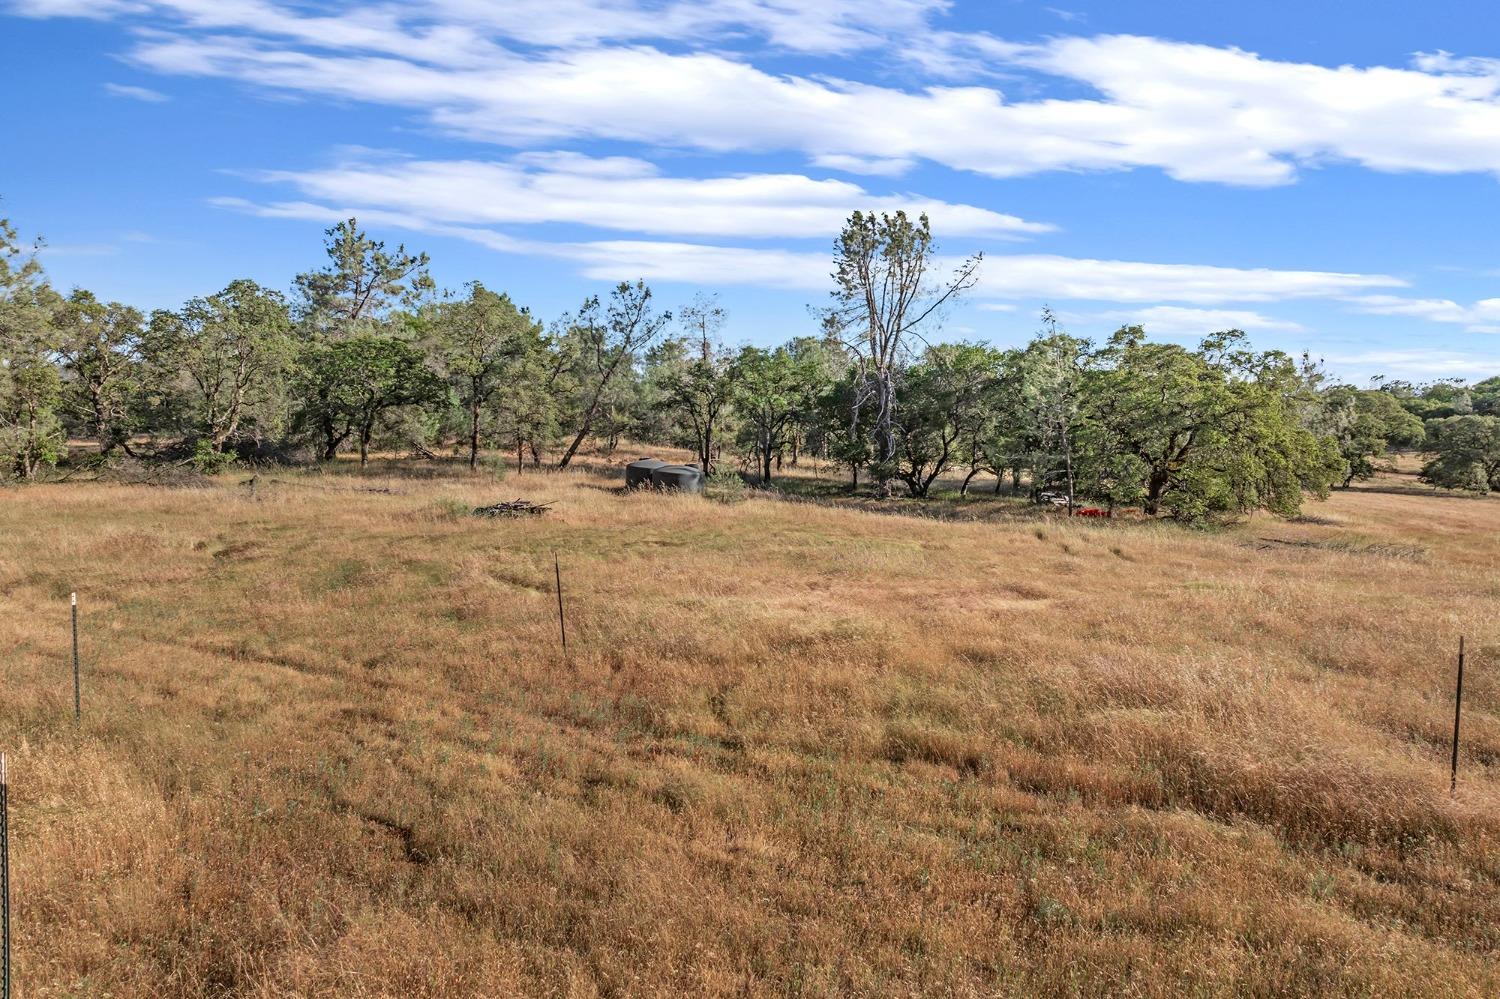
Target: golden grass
[{"x": 331, "y": 746}]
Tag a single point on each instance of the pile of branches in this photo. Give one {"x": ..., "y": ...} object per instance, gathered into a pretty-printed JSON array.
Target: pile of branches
[
  {"x": 515, "y": 508},
  {"x": 133, "y": 471}
]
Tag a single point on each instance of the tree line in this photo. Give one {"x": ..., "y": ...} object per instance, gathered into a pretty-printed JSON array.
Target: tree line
[{"x": 365, "y": 353}]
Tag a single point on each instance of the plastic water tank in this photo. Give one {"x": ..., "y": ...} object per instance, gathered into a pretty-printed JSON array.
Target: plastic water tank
[
  {"x": 683, "y": 478},
  {"x": 638, "y": 473}
]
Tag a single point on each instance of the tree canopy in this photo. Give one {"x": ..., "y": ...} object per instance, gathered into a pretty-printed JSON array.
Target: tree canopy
[{"x": 365, "y": 353}]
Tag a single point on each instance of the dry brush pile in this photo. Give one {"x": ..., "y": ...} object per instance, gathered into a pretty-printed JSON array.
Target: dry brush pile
[{"x": 331, "y": 747}]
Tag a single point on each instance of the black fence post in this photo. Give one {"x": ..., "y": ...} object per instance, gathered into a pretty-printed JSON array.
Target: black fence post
[
  {"x": 77, "y": 678},
  {"x": 4, "y": 880},
  {"x": 562, "y": 625},
  {"x": 1458, "y": 707}
]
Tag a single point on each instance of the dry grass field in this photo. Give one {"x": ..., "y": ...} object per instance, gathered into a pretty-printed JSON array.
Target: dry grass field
[{"x": 331, "y": 747}]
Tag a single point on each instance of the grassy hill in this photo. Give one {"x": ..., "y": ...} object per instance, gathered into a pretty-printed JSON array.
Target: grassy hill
[{"x": 331, "y": 745}]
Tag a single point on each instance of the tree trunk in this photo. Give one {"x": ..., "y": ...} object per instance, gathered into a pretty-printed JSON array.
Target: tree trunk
[
  {"x": 591, "y": 412},
  {"x": 964, "y": 489},
  {"x": 331, "y": 440},
  {"x": 1068, "y": 457},
  {"x": 885, "y": 433},
  {"x": 474, "y": 434},
  {"x": 1154, "y": 488},
  {"x": 365, "y": 433}
]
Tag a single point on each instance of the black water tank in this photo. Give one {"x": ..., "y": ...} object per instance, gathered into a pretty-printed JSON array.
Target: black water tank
[
  {"x": 638, "y": 473},
  {"x": 683, "y": 478}
]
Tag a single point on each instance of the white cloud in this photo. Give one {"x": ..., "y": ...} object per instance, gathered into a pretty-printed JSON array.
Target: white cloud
[
  {"x": 629, "y": 195},
  {"x": 827, "y": 26},
  {"x": 1049, "y": 276},
  {"x": 1066, "y": 15},
  {"x": 1417, "y": 365},
  {"x": 461, "y": 31},
  {"x": 1174, "y": 320},
  {"x": 1481, "y": 317},
  {"x": 536, "y": 71},
  {"x": 1002, "y": 276},
  {"x": 135, "y": 93},
  {"x": 76, "y": 8}
]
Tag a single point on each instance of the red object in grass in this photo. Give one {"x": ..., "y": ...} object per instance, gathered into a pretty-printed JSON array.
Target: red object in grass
[{"x": 1090, "y": 511}]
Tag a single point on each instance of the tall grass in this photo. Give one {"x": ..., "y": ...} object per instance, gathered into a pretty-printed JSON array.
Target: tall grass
[{"x": 330, "y": 747}]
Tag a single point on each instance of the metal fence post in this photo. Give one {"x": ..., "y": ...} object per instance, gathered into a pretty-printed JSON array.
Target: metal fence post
[
  {"x": 1458, "y": 707},
  {"x": 562, "y": 625},
  {"x": 4, "y": 880},
  {"x": 77, "y": 679}
]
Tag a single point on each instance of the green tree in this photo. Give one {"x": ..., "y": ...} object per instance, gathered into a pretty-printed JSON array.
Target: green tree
[
  {"x": 99, "y": 345},
  {"x": 1208, "y": 431},
  {"x": 844, "y": 420},
  {"x": 362, "y": 291},
  {"x": 230, "y": 351},
  {"x": 1049, "y": 405},
  {"x": 361, "y": 285},
  {"x": 479, "y": 340},
  {"x": 1365, "y": 424},
  {"x": 364, "y": 377},
  {"x": 944, "y": 400},
  {"x": 31, "y": 433},
  {"x": 770, "y": 388},
  {"x": 605, "y": 342},
  {"x": 1466, "y": 453},
  {"x": 528, "y": 414},
  {"x": 1485, "y": 397},
  {"x": 884, "y": 295},
  {"x": 694, "y": 381}
]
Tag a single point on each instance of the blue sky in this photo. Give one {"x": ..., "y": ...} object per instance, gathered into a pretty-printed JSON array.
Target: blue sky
[{"x": 1324, "y": 176}]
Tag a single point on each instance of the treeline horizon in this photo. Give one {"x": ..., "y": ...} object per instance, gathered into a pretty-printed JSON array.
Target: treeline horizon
[{"x": 367, "y": 353}]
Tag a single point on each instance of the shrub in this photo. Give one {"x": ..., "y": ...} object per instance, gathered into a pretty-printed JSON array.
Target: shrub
[
  {"x": 495, "y": 465},
  {"x": 725, "y": 485},
  {"x": 209, "y": 460}
]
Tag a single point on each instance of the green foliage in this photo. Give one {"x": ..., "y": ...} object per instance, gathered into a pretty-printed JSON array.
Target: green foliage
[
  {"x": 450, "y": 508},
  {"x": 495, "y": 466},
  {"x": 725, "y": 485},
  {"x": 1365, "y": 424},
  {"x": 771, "y": 389},
  {"x": 883, "y": 295},
  {"x": 31, "y": 387},
  {"x": 354, "y": 382},
  {"x": 482, "y": 342},
  {"x": 1197, "y": 433},
  {"x": 942, "y": 400},
  {"x": 1466, "y": 453},
  {"x": 362, "y": 283},
  {"x": 1442, "y": 399},
  {"x": 99, "y": 346},
  {"x": 221, "y": 361},
  {"x": 602, "y": 342},
  {"x": 209, "y": 460},
  {"x": 692, "y": 382},
  {"x": 366, "y": 355}
]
